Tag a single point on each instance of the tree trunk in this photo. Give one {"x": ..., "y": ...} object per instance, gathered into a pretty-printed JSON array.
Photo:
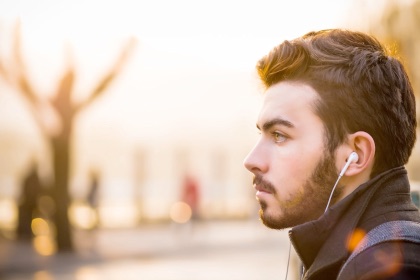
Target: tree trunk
[{"x": 61, "y": 161}]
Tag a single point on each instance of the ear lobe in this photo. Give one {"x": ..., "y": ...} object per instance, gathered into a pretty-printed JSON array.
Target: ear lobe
[{"x": 364, "y": 145}]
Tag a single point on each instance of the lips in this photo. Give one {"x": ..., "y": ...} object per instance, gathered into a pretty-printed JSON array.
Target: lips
[
  {"x": 262, "y": 186},
  {"x": 261, "y": 189}
]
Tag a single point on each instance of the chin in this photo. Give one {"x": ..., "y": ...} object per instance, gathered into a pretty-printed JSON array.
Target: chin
[{"x": 269, "y": 221}]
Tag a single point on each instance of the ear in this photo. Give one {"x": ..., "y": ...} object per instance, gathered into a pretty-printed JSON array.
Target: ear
[{"x": 363, "y": 144}]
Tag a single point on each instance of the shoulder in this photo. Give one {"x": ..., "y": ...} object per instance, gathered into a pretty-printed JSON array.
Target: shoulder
[{"x": 387, "y": 260}]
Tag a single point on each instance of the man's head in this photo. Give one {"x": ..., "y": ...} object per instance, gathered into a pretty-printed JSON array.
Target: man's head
[{"x": 328, "y": 93}]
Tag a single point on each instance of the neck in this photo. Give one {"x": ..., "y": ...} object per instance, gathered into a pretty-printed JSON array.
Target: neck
[{"x": 353, "y": 182}]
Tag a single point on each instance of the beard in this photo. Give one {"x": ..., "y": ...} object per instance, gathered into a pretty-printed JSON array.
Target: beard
[{"x": 306, "y": 205}]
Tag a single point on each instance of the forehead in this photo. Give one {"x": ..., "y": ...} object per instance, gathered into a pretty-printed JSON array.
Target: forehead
[{"x": 291, "y": 101}]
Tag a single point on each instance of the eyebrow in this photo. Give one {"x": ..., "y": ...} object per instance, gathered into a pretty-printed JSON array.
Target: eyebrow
[{"x": 267, "y": 125}]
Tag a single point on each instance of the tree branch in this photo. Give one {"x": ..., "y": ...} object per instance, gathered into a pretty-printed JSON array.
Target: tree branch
[
  {"x": 22, "y": 80},
  {"x": 62, "y": 99},
  {"x": 110, "y": 76}
]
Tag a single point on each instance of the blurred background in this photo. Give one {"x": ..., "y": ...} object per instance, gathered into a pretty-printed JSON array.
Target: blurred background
[{"x": 124, "y": 124}]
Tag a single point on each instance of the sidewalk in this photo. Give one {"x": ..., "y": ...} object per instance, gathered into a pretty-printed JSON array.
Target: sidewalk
[{"x": 244, "y": 250}]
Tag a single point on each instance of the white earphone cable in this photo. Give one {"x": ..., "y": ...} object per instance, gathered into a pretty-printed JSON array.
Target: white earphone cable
[
  {"x": 288, "y": 260},
  {"x": 352, "y": 158},
  {"x": 331, "y": 194}
]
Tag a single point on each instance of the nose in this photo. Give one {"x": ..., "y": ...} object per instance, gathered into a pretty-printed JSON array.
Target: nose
[{"x": 255, "y": 161}]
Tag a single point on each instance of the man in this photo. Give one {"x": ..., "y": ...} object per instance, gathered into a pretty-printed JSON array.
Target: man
[{"x": 331, "y": 94}]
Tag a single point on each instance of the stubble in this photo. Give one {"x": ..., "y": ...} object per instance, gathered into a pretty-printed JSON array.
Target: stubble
[{"x": 306, "y": 205}]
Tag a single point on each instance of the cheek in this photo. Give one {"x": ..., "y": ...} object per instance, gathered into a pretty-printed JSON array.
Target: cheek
[
  {"x": 297, "y": 158},
  {"x": 290, "y": 170},
  {"x": 305, "y": 154},
  {"x": 287, "y": 175}
]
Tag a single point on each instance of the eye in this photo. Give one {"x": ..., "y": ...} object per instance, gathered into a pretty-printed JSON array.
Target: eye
[{"x": 279, "y": 137}]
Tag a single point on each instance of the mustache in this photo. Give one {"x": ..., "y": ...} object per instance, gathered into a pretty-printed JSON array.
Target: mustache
[{"x": 267, "y": 186}]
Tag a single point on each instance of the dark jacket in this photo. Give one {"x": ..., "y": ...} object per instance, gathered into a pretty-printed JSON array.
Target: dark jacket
[{"x": 323, "y": 245}]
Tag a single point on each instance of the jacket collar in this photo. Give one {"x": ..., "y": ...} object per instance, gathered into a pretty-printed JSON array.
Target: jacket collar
[{"x": 314, "y": 240}]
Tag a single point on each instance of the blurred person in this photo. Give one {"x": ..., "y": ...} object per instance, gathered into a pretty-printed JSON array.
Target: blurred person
[
  {"x": 190, "y": 195},
  {"x": 28, "y": 203},
  {"x": 337, "y": 126},
  {"x": 93, "y": 196}
]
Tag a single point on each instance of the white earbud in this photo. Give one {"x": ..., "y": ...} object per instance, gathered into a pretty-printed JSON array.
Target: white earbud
[{"x": 354, "y": 157}]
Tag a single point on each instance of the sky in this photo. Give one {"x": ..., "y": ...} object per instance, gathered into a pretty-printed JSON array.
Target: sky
[
  {"x": 179, "y": 25},
  {"x": 175, "y": 38},
  {"x": 191, "y": 76}
]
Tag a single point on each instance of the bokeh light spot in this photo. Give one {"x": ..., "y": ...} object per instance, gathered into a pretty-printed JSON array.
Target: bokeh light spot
[
  {"x": 180, "y": 212},
  {"x": 83, "y": 216},
  {"x": 44, "y": 245},
  {"x": 40, "y": 227},
  {"x": 354, "y": 239}
]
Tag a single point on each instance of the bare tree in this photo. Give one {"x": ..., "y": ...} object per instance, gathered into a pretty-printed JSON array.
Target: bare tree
[{"x": 59, "y": 140}]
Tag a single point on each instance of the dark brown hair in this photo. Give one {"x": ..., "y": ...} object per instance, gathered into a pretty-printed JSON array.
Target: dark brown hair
[{"x": 361, "y": 88}]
